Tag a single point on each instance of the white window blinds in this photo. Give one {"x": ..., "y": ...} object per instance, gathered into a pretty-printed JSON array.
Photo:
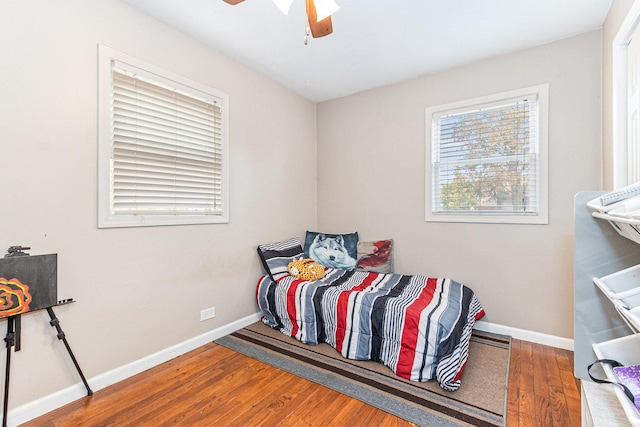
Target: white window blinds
[
  {"x": 162, "y": 146},
  {"x": 167, "y": 149},
  {"x": 485, "y": 158}
]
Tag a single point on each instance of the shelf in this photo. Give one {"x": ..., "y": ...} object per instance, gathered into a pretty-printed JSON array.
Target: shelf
[
  {"x": 599, "y": 252},
  {"x": 623, "y": 216},
  {"x": 622, "y": 288},
  {"x": 626, "y": 351}
]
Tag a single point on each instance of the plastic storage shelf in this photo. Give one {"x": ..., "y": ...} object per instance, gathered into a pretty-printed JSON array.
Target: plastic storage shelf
[
  {"x": 625, "y": 351},
  {"x": 623, "y": 290},
  {"x": 623, "y": 216}
]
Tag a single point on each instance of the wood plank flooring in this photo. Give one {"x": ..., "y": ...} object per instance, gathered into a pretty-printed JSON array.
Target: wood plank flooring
[
  {"x": 214, "y": 386},
  {"x": 542, "y": 389}
]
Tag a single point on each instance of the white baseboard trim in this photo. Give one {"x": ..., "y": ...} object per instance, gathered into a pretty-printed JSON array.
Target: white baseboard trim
[
  {"x": 525, "y": 335},
  {"x": 34, "y": 409}
]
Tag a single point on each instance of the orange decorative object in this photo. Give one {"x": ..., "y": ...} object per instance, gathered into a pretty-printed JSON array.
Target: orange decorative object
[{"x": 14, "y": 297}]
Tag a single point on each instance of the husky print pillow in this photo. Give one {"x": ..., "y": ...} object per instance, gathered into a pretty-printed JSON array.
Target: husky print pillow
[{"x": 332, "y": 250}]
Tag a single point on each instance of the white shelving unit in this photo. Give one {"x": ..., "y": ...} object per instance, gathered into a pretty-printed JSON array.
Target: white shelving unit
[
  {"x": 625, "y": 350},
  {"x": 623, "y": 216},
  {"x": 622, "y": 289}
]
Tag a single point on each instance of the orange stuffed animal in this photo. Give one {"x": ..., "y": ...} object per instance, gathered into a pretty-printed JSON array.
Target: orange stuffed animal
[{"x": 305, "y": 269}]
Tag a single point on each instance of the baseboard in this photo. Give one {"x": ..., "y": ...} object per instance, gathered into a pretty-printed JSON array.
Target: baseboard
[
  {"x": 34, "y": 409},
  {"x": 525, "y": 335}
]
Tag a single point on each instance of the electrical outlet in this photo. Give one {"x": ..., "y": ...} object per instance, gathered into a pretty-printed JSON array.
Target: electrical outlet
[{"x": 207, "y": 313}]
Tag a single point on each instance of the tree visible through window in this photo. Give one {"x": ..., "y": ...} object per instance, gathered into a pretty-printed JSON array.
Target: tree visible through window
[{"x": 486, "y": 159}]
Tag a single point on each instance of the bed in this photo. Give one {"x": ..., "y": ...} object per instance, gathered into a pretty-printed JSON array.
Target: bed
[{"x": 417, "y": 326}]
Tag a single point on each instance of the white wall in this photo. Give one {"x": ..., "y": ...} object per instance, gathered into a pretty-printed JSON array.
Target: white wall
[
  {"x": 371, "y": 156},
  {"x": 138, "y": 290}
]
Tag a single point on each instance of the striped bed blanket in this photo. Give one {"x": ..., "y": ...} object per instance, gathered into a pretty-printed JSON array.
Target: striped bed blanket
[{"x": 419, "y": 327}]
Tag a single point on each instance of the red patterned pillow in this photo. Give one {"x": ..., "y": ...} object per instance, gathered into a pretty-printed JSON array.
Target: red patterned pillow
[{"x": 376, "y": 256}]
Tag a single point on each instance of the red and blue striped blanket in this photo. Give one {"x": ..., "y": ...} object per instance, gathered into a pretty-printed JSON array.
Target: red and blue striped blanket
[{"x": 419, "y": 327}]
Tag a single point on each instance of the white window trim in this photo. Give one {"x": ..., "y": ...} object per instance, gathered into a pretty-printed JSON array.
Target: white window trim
[
  {"x": 619, "y": 102},
  {"x": 105, "y": 218},
  {"x": 542, "y": 217}
]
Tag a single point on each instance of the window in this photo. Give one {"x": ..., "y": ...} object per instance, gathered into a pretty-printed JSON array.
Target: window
[
  {"x": 487, "y": 159},
  {"x": 162, "y": 146},
  {"x": 626, "y": 100}
]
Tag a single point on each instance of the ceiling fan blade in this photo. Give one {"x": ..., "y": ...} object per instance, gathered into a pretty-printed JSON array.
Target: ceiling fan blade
[
  {"x": 318, "y": 29},
  {"x": 233, "y": 1}
]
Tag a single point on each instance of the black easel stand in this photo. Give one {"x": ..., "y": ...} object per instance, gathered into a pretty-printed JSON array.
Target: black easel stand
[
  {"x": 13, "y": 338},
  {"x": 61, "y": 336},
  {"x": 10, "y": 339}
]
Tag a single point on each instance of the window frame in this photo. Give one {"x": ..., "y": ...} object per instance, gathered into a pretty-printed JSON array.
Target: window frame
[
  {"x": 541, "y": 217},
  {"x": 622, "y": 144},
  {"x": 109, "y": 219}
]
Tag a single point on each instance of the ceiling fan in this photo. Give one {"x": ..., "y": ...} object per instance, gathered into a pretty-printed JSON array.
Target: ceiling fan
[{"x": 319, "y": 19}]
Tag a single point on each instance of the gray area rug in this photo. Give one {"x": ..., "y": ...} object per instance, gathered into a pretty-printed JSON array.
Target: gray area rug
[{"x": 480, "y": 401}]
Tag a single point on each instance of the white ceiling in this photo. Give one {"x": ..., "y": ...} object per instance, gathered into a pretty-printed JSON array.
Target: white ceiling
[{"x": 374, "y": 42}]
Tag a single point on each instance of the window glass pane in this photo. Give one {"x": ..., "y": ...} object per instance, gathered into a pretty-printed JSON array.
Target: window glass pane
[{"x": 485, "y": 158}]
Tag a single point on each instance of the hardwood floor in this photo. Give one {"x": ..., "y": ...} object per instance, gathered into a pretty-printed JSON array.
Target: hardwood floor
[
  {"x": 214, "y": 386},
  {"x": 542, "y": 389}
]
